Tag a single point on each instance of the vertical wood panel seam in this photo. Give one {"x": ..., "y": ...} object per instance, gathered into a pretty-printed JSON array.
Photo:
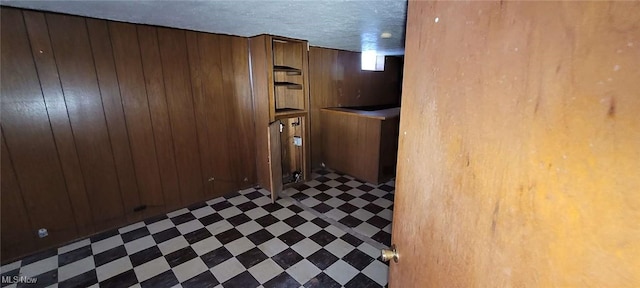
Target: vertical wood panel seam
[
  {"x": 224, "y": 94},
  {"x": 126, "y": 127},
  {"x": 24, "y": 203},
  {"x": 230, "y": 132},
  {"x": 173, "y": 142},
  {"x": 225, "y": 98},
  {"x": 53, "y": 138},
  {"x": 206, "y": 119},
  {"x": 104, "y": 114},
  {"x": 195, "y": 118},
  {"x": 155, "y": 143},
  {"x": 73, "y": 136},
  {"x": 253, "y": 106}
]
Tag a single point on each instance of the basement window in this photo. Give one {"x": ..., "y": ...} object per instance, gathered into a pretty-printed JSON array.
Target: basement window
[{"x": 371, "y": 61}]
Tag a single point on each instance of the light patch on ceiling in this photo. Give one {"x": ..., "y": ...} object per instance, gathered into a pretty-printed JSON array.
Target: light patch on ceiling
[{"x": 347, "y": 25}]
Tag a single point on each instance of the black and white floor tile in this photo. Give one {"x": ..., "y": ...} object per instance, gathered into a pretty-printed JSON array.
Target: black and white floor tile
[
  {"x": 364, "y": 207},
  {"x": 240, "y": 240}
]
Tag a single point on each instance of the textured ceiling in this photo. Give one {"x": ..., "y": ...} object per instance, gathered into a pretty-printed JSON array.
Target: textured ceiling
[{"x": 348, "y": 25}]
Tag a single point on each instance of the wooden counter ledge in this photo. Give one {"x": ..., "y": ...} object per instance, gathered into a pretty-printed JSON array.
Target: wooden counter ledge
[
  {"x": 383, "y": 114},
  {"x": 361, "y": 143}
]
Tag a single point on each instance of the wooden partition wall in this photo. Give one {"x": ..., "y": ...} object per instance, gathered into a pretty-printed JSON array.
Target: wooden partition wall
[
  {"x": 337, "y": 80},
  {"x": 100, "y": 118}
]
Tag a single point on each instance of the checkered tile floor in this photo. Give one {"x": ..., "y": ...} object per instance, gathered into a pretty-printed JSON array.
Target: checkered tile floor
[
  {"x": 240, "y": 240},
  {"x": 364, "y": 207}
]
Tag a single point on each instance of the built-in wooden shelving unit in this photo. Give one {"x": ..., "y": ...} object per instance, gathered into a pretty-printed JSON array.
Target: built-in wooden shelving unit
[{"x": 281, "y": 97}]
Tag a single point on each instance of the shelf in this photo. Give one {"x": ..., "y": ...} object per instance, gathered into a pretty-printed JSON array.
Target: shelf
[
  {"x": 289, "y": 112},
  {"x": 289, "y": 85},
  {"x": 287, "y": 69}
]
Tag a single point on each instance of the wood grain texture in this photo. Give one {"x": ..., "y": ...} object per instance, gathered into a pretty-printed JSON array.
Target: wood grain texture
[
  {"x": 519, "y": 146},
  {"x": 28, "y": 137},
  {"x": 289, "y": 54},
  {"x": 201, "y": 111},
  {"x": 275, "y": 156},
  {"x": 242, "y": 111},
  {"x": 56, "y": 108},
  {"x": 98, "y": 118},
  {"x": 14, "y": 217},
  {"x": 336, "y": 80},
  {"x": 259, "y": 80},
  {"x": 128, "y": 62},
  {"x": 227, "y": 176},
  {"x": 175, "y": 63},
  {"x": 73, "y": 54},
  {"x": 358, "y": 145},
  {"x": 101, "y": 47},
  {"x": 154, "y": 82},
  {"x": 224, "y": 111}
]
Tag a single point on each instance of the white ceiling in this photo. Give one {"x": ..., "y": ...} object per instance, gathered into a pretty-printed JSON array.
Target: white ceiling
[{"x": 348, "y": 25}]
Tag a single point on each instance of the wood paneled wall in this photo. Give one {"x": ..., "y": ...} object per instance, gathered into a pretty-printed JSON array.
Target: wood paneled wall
[
  {"x": 519, "y": 146},
  {"x": 337, "y": 80},
  {"x": 100, "y": 117}
]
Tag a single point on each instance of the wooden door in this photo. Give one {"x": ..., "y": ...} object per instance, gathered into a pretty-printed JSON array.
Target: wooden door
[
  {"x": 275, "y": 159},
  {"x": 519, "y": 146}
]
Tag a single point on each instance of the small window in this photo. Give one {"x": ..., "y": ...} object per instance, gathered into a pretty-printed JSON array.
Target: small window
[{"x": 371, "y": 61}]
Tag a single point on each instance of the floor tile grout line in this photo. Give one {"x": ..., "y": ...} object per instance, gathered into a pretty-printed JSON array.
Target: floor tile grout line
[
  {"x": 333, "y": 222},
  {"x": 233, "y": 200}
]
